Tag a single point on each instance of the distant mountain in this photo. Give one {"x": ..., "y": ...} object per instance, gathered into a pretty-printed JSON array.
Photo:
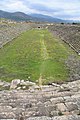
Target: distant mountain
[
  {"x": 20, "y": 16},
  {"x": 45, "y": 18},
  {"x": 17, "y": 16}
]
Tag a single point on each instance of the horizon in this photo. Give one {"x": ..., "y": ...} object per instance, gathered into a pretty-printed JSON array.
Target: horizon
[{"x": 62, "y": 9}]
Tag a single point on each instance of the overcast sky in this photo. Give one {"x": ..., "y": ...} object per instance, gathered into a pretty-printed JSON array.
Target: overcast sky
[{"x": 65, "y": 9}]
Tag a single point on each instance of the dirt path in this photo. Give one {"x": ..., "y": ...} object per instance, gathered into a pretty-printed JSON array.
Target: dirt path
[
  {"x": 45, "y": 56},
  {"x": 44, "y": 52}
]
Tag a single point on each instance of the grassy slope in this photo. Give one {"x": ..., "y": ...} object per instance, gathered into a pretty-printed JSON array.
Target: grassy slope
[{"x": 35, "y": 53}]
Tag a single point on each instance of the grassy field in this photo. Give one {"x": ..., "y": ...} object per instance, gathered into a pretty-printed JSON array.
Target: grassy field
[{"x": 34, "y": 55}]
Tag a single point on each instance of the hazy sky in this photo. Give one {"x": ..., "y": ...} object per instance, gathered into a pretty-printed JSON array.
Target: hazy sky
[{"x": 65, "y": 9}]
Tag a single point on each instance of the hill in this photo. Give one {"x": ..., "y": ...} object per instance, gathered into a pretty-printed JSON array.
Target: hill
[
  {"x": 20, "y": 16},
  {"x": 45, "y": 18},
  {"x": 17, "y": 16}
]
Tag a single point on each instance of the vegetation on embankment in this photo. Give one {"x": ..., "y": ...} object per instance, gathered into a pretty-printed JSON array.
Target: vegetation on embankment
[{"x": 35, "y": 54}]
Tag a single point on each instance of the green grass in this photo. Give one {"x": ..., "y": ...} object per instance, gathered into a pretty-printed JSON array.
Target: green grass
[{"x": 34, "y": 53}]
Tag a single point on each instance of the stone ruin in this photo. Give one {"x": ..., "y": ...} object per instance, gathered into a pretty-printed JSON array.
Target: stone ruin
[{"x": 24, "y": 100}]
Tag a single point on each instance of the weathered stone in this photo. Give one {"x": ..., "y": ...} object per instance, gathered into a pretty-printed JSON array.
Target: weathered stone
[
  {"x": 40, "y": 118},
  {"x": 35, "y": 87},
  {"x": 45, "y": 102},
  {"x": 54, "y": 113},
  {"x": 71, "y": 106},
  {"x": 24, "y": 87},
  {"x": 70, "y": 117},
  {"x": 14, "y": 83},
  {"x": 27, "y": 83},
  {"x": 18, "y": 88},
  {"x": 6, "y": 86},
  {"x": 45, "y": 110},
  {"x": 57, "y": 100},
  {"x": 9, "y": 31},
  {"x": 69, "y": 99},
  {"x": 66, "y": 113},
  {"x": 61, "y": 107},
  {"x": 7, "y": 115},
  {"x": 48, "y": 103},
  {"x": 5, "y": 108},
  {"x": 76, "y": 112},
  {"x": 28, "y": 105}
]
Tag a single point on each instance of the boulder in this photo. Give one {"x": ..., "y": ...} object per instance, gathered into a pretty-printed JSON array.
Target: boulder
[{"x": 14, "y": 83}]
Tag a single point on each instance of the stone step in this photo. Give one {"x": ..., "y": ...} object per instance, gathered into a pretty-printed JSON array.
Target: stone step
[{"x": 55, "y": 104}]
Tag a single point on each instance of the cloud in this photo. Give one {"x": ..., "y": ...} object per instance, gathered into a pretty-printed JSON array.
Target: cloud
[
  {"x": 43, "y": 9},
  {"x": 13, "y": 5},
  {"x": 65, "y": 9}
]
